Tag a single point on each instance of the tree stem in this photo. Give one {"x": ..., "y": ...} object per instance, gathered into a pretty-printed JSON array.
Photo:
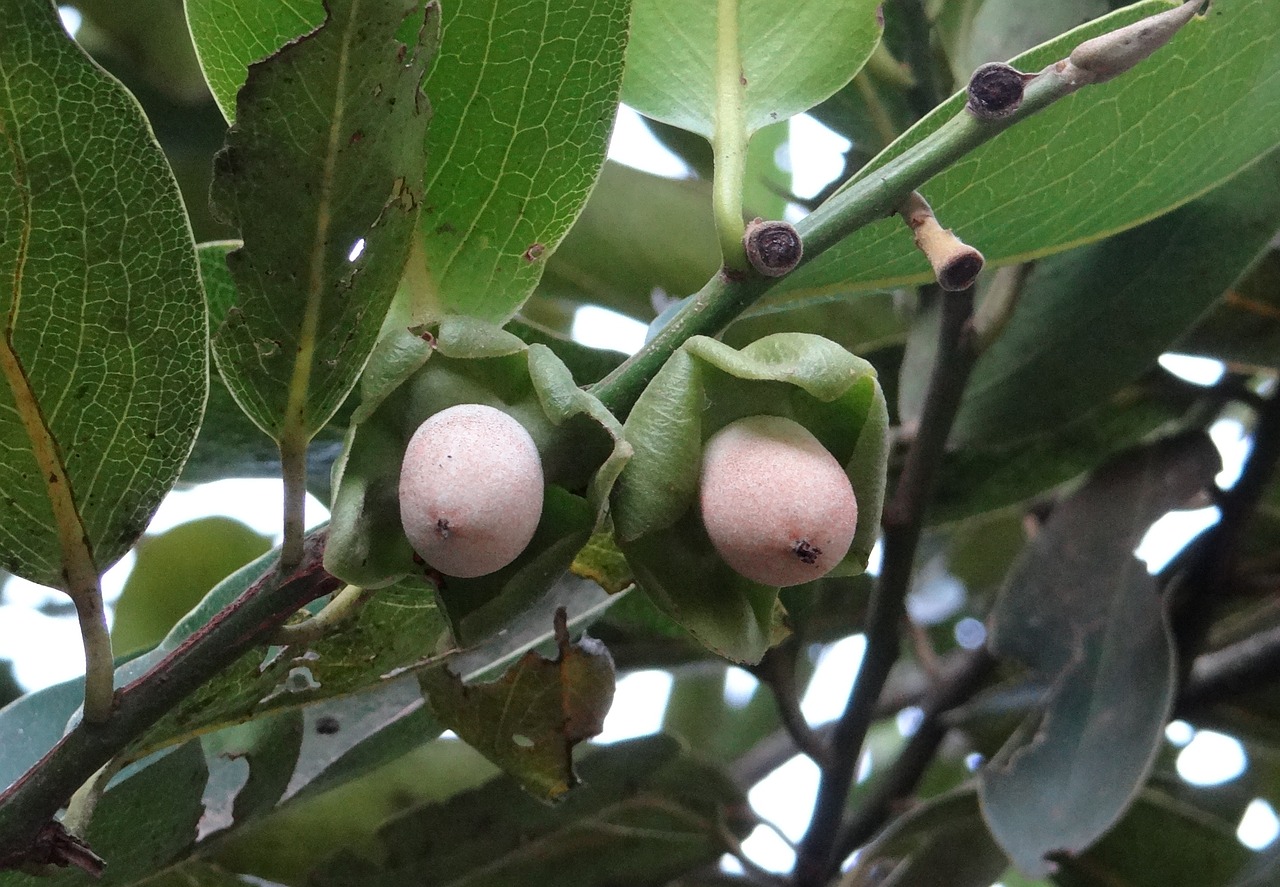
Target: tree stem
[
  {"x": 905, "y": 773},
  {"x": 871, "y": 195},
  {"x": 903, "y": 521},
  {"x": 27, "y": 806},
  {"x": 778, "y": 670}
]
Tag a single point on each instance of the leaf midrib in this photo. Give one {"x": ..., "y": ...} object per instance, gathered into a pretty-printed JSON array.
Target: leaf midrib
[
  {"x": 295, "y": 425},
  {"x": 80, "y": 571}
]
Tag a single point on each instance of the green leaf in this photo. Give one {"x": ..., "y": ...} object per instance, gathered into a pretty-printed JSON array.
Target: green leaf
[
  {"x": 519, "y": 137},
  {"x": 195, "y": 873},
  {"x": 703, "y": 387},
  {"x": 860, "y": 323},
  {"x": 528, "y": 721},
  {"x": 587, "y": 364},
  {"x": 270, "y": 746},
  {"x": 400, "y": 628},
  {"x": 1091, "y": 320},
  {"x": 672, "y": 59},
  {"x": 517, "y": 140},
  {"x": 343, "y": 739},
  {"x": 1000, "y": 29},
  {"x": 766, "y": 184},
  {"x": 1264, "y": 870},
  {"x": 103, "y": 353},
  {"x": 647, "y": 812},
  {"x": 325, "y": 155},
  {"x": 229, "y": 35},
  {"x": 1243, "y": 328},
  {"x": 1105, "y": 159},
  {"x": 32, "y": 724},
  {"x": 639, "y": 235},
  {"x": 698, "y": 713},
  {"x": 942, "y": 841},
  {"x": 1160, "y": 843},
  {"x": 285, "y": 847},
  {"x": 141, "y": 823},
  {"x": 973, "y": 481},
  {"x": 601, "y": 561},
  {"x": 230, "y": 445},
  {"x": 173, "y": 573},
  {"x": 1085, "y": 615}
]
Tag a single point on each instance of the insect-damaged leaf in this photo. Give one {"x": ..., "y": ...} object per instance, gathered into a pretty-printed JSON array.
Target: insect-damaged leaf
[
  {"x": 142, "y": 823},
  {"x": 529, "y": 720},
  {"x": 322, "y": 175},
  {"x": 647, "y": 811},
  {"x": 1085, "y": 615},
  {"x": 518, "y": 138}
]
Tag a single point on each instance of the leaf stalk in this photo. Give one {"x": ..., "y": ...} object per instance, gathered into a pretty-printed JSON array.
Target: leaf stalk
[{"x": 729, "y": 139}]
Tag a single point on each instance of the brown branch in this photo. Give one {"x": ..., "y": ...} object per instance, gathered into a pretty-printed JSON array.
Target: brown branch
[
  {"x": 1212, "y": 560},
  {"x": 778, "y": 671},
  {"x": 903, "y": 521},
  {"x": 904, "y": 775},
  {"x": 27, "y": 807}
]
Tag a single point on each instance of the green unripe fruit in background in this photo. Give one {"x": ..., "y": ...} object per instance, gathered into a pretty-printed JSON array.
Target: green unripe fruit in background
[
  {"x": 777, "y": 506},
  {"x": 471, "y": 489}
]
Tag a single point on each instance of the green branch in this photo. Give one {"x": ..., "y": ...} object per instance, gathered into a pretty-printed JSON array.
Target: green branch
[{"x": 878, "y": 192}]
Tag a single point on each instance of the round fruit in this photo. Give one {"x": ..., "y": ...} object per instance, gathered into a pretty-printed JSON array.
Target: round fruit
[
  {"x": 776, "y": 504},
  {"x": 470, "y": 490}
]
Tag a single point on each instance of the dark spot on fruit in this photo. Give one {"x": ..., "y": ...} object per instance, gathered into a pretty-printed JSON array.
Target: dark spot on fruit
[
  {"x": 806, "y": 552},
  {"x": 442, "y": 527}
]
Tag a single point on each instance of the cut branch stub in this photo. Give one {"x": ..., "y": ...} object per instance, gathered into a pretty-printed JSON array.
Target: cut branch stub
[
  {"x": 995, "y": 90},
  {"x": 773, "y": 248},
  {"x": 956, "y": 265}
]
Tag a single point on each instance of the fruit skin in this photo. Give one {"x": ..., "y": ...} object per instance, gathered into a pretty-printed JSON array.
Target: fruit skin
[
  {"x": 471, "y": 489},
  {"x": 776, "y": 504}
]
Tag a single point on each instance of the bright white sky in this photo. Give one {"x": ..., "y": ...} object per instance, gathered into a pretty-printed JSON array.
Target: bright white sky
[{"x": 46, "y": 649}]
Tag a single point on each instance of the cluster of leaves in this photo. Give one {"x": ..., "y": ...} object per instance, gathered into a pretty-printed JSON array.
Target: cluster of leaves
[{"x": 421, "y": 203}]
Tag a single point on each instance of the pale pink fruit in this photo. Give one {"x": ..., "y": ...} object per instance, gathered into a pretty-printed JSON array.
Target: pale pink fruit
[
  {"x": 470, "y": 490},
  {"x": 776, "y": 504}
]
